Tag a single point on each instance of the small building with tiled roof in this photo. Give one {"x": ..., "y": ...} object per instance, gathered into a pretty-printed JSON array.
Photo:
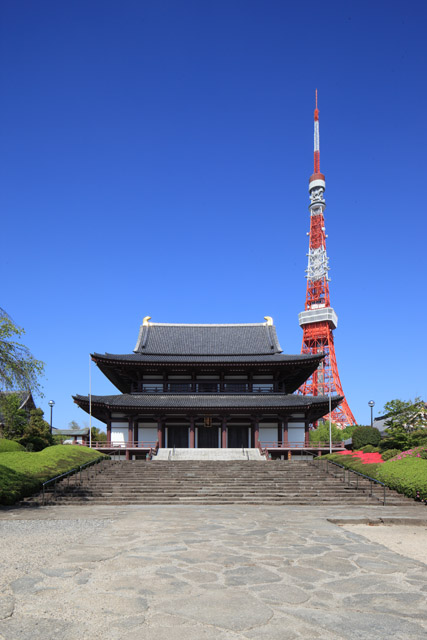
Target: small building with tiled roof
[
  {"x": 72, "y": 436},
  {"x": 207, "y": 385}
]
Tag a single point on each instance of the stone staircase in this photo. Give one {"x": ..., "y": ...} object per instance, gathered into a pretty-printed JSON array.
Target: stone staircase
[
  {"x": 225, "y": 455},
  {"x": 215, "y": 482}
]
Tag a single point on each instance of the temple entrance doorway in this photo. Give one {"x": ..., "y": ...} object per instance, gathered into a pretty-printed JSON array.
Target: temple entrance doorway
[
  {"x": 238, "y": 437},
  {"x": 207, "y": 438},
  {"x": 178, "y": 437}
]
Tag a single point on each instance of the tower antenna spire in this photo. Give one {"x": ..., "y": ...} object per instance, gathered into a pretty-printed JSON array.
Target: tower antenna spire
[
  {"x": 319, "y": 320},
  {"x": 316, "y": 139}
]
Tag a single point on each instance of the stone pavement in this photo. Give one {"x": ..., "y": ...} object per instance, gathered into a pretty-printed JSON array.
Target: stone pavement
[{"x": 213, "y": 573}]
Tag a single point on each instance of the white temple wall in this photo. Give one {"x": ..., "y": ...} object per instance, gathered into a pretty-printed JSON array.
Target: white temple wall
[
  {"x": 119, "y": 433},
  {"x": 268, "y": 432},
  {"x": 147, "y": 432},
  {"x": 296, "y": 432}
]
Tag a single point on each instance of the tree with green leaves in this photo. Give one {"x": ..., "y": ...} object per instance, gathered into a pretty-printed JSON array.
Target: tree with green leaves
[
  {"x": 321, "y": 434},
  {"x": 37, "y": 435},
  {"x": 14, "y": 419},
  {"x": 98, "y": 435},
  {"x": 404, "y": 420},
  {"x": 410, "y": 415},
  {"x": 18, "y": 367}
]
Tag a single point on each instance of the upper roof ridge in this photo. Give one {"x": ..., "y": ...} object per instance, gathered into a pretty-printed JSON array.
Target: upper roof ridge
[
  {"x": 197, "y": 324},
  {"x": 208, "y": 339}
]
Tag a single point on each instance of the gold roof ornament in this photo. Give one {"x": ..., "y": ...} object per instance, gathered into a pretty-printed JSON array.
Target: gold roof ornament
[
  {"x": 145, "y": 321},
  {"x": 269, "y": 321}
]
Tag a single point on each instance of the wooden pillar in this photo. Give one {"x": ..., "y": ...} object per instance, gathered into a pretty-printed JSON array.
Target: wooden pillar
[
  {"x": 224, "y": 433},
  {"x": 285, "y": 439},
  {"x": 306, "y": 433},
  {"x": 255, "y": 423},
  {"x": 130, "y": 432},
  {"x": 192, "y": 439},
  {"x": 160, "y": 431},
  {"x": 109, "y": 431}
]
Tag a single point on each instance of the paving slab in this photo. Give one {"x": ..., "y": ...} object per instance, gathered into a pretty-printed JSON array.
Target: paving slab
[{"x": 210, "y": 573}]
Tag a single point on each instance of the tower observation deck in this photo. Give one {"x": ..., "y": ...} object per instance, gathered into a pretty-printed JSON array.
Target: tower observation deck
[{"x": 318, "y": 320}]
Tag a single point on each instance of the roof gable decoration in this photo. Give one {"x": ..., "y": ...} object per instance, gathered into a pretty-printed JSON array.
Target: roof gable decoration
[{"x": 207, "y": 339}]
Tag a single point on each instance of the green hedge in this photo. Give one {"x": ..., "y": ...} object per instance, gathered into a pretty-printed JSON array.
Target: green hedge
[
  {"x": 10, "y": 445},
  {"x": 365, "y": 435},
  {"x": 390, "y": 453},
  {"x": 23, "y": 473},
  {"x": 407, "y": 476}
]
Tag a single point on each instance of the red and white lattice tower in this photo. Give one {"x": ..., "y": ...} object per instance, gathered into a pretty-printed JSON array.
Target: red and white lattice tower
[{"x": 319, "y": 320}]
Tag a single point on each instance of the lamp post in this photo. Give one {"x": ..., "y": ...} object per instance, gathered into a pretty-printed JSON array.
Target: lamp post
[
  {"x": 371, "y": 403},
  {"x": 51, "y": 405}
]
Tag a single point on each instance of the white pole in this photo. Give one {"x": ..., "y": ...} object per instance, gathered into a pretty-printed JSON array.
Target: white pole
[
  {"x": 90, "y": 401},
  {"x": 330, "y": 424}
]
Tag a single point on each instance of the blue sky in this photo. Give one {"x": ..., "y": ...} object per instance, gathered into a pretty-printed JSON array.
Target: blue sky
[{"x": 155, "y": 161}]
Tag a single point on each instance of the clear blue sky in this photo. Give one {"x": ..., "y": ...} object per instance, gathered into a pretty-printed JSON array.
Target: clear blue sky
[{"x": 155, "y": 161}]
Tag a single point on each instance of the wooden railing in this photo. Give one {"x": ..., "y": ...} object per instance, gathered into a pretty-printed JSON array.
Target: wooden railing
[
  {"x": 300, "y": 445},
  {"x": 207, "y": 387},
  {"x": 116, "y": 444}
]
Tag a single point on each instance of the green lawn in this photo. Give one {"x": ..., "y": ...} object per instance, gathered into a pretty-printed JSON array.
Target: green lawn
[{"x": 22, "y": 473}]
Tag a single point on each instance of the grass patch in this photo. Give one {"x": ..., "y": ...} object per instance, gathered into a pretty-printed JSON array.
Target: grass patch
[
  {"x": 406, "y": 476},
  {"x": 10, "y": 445},
  {"x": 23, "y": 473}
]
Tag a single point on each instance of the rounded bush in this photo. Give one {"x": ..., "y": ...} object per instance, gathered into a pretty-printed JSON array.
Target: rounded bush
[
  {"x": 10, "y": 445},
  {"x": 370, "y": 449},
  {"x": 390, "y": 453},
  {"x": 363, "y": 436}
]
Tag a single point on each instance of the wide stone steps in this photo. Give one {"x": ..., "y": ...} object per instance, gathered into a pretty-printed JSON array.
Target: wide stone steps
[{"x": 207, "y": 482}]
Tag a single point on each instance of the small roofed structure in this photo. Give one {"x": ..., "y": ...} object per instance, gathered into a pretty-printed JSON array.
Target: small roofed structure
[
  {"x": 207, "y": 386},
  {"x": 73, "y": 436}
]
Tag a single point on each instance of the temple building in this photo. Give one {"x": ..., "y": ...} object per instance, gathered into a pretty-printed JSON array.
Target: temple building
[{"x": 206, "y": 386}]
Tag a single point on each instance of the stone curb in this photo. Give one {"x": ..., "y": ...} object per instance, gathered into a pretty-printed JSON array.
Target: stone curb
[{"x": 417, "y": 522}]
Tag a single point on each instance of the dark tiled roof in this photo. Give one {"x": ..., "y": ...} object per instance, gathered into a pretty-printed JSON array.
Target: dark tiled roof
[
  {"x": 207, "y": 339},
  {"x": 201, "y": 359},
  {"x": 206, "y": 401}
]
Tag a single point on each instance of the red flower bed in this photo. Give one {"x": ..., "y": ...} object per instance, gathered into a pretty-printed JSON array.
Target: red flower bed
[{"x": 365, "y": 458}]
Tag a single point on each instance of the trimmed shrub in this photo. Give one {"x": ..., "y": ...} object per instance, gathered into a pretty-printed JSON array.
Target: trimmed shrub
[
  {"x": 410, "y": 453},
  {"x": 370, "y": 449},
  {"x": 408, "y": 476},
  {"x": 390, "y": 453},
  {"x": 352, "y": 462},
  {"x": 365, "y": 435},
  {"x": 10, "y": 445}
]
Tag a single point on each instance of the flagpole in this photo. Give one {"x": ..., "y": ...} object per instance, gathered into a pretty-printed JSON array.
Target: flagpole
[
  {"x": 90, "y": 401},
  {"x": 330, "y": 424}
]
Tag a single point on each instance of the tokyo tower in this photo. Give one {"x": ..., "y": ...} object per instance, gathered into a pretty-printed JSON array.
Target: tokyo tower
[{"x": 319, "y": 320}]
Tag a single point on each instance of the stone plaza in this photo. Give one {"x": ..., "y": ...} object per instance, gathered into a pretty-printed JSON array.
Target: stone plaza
[{"x": 178, "y": 572}]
